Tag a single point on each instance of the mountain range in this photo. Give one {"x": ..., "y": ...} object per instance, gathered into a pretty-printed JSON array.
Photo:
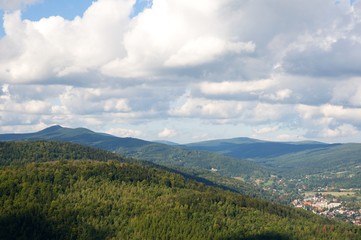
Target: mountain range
[
  {"x": 243, "y": 158},
  {"x": 175, "y": 155},
  {"x": 252, "y": 154}
]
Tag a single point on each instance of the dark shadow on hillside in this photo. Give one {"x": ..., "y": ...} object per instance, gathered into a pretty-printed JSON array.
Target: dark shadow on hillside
[
  {"x": 31, "y": 225},
  {"x": 27, "y": 225}
]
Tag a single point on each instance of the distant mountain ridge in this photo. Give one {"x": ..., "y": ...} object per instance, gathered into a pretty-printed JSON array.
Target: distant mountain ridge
[
  {"x": 236, "y": 157},
  {"x": 248, "y": 148},
  {"x": 177, "y": 157},
  {"x": 133, "y": 147},
  {"x": 82, "y": 136}
]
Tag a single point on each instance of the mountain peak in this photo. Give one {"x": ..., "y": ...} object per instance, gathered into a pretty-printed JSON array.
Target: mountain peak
[{"x": 51, "y": 129}]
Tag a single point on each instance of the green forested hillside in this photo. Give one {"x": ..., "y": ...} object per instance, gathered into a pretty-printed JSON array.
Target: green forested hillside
[
  {"x": 89, "y": 199},
  {"x": 42, "y": 151},
  {"x": 183, "y": 157},
  {"x": 338, "y": 158}
]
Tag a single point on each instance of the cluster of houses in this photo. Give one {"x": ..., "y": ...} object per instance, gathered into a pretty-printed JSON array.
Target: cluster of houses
[
  {"x": 317, "y": 203},
  {"x": 329, "y": 208}
]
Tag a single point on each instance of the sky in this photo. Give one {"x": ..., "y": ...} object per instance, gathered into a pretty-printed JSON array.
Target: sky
[{"x": 182, "y": 70}]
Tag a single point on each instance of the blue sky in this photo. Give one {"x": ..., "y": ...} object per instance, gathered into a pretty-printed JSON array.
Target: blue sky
[
  {"x": 184, "y": 70},
  {"x": 68, "y": 9}
]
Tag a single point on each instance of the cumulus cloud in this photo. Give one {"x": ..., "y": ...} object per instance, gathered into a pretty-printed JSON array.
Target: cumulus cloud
[
  {"x": 341, "y": 131},
  {"x": 296, "y": 67},
  {"x": 266, "y": 130},
  {"x": 204, "y": 50},
  {"x": 178, "y": 34},
  {"x": 279, "y": 95},
  {"x": 92, "y": 100},
  {"x": 121, "y": 132},
  {"x": 289, "y": 137},
  {"x": 54, "y": 47},
  {"x": 348, "y": 92},
  {"x": 207, "y": 109},
  {"x": 226, "y": 88},
  {"x": 167, "y": 133}
]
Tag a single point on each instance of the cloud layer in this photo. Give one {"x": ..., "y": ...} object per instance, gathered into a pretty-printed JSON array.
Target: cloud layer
[
  {"x": 16, "y": 4},
  {"x": 293, "y": 73}
]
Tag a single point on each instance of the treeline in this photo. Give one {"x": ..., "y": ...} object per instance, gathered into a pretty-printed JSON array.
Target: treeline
[
  {"x": 113, "y": 200},
  {"x": 43, "y": 151}
]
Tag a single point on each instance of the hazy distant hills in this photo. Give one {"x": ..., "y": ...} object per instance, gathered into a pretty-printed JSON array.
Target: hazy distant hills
[
  {"x": 235, "y": 157},
  {"x": 288, "y": 158},
  {"x": 77, "y": 135},
  {"x": 151, "y": 151},
  {"x": 248, "y": 148}
]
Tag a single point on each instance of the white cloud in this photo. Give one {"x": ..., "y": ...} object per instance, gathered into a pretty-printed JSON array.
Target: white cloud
[
  {"x": 345, "y": 130},
  {"x": 177, "y": 34},
  {"x": 288, "y": 137},
  {"x": 167, "y": 133},
  {"x": 266, "y": 130},
  {"x": 116, "y": 105},
  {"x": 5, "y": 95},
  {"x": 214, "y": 88},
  {"x": 30, "y": 107},
  {"x": 199, "y": 108},
  {"x": 205, "y": 50},
  {"x": 16, "y": 4},
  {"x": 54, "y": 47},
  {"x": 92, "y": 100},
  {"x": 279, "y": 95},
  {"x": 120, "y": 132},
  {"x": 341, "y": 113},
  {"x": 261, "y": 113},
  {"x": 348, "y": 92}
]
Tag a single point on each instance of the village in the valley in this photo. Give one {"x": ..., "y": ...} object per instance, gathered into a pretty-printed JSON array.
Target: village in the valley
[
  {"x": 330, "y": 206},
  {"x": 332, "y": 202}
]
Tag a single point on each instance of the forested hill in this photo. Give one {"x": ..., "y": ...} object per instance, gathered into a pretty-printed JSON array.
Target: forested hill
[
  {"x": 77, "y": 135},
  {"x": 43, "y": 151},
  {"x": 90, "y": 199}
]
